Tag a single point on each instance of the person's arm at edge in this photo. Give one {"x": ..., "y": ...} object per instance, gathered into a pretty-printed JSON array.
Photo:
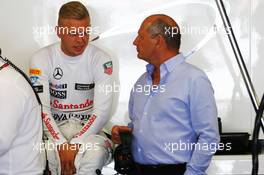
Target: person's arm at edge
[
  {"x": 102, "y": 103},
  {"x": 38, "y": 64},
  {"x": 204, "y": 121}
]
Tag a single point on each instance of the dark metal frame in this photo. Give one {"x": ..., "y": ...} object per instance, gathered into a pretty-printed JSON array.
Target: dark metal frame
[{"x": 259, "y": 122}]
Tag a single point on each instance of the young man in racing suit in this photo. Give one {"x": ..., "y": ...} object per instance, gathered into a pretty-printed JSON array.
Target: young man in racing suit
[{"x": 71, "y": 77}]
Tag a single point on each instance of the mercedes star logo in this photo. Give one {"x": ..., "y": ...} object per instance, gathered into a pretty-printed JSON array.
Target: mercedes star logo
[{"x": 57, "y": 74}]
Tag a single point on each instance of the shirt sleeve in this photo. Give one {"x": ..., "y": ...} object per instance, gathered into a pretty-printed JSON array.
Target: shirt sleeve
[
  {"x": 204, "y": 121},
  {"x": 103, "y": 97},
  {"x": 39, "y": 76},
  {"x": 11, "y": 115},
  {"x": 130, "y": 109}
]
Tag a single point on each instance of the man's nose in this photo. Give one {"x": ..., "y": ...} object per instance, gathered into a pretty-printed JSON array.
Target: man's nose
[
  {"x": 80, "y": 38},
  {"x": 135, "y": 42}
]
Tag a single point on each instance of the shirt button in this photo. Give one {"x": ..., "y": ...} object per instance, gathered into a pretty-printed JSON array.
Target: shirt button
[
  {"x": 145, "y": 114},
  {"x": 139, "y": 150}
]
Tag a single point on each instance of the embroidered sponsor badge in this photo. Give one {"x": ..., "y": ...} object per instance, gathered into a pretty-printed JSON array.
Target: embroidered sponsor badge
[
  {"x": 34, "y": 79},
  {"x": 52, "y": 131},
  {"x": 58, "y": 86},
  {"x": 58, "y": 94},
  {"x": 60, "y": 117},
  {"x": 83, "y": 87},
  {"x": 58, "y": 73},
  {"x": 108, "y": 67},
  {"x": 34, "y": 72},
  {"x": 38, "y": 88}
]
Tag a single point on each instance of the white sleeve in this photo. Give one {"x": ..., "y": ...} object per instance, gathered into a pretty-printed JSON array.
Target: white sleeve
[
  {"x": 103, "y": 97},
  {"x": 12, "y": 103},
  {"x": 39, "y": 75}
]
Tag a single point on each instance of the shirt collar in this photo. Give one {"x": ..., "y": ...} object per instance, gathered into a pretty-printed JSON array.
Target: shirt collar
[{"x": 167, "y": 66}]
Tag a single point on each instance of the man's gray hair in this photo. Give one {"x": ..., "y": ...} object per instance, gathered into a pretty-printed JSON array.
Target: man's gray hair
[{"x": 171, "y": 34}]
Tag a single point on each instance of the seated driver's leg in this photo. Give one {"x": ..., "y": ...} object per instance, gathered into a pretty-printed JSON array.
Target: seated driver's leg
[
  {"x": 93, "y": 155},
  {"x": 53, "y": 158}
]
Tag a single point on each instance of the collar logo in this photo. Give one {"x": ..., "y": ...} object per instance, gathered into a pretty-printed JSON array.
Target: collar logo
[{"x": 58, "y": 73}]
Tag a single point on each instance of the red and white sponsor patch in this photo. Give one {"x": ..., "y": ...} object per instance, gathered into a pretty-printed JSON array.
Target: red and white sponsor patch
[
  {"x": 46, "y": 120},
  {"x": 57, "y": 105},
  {"x": 36, "y": 72},
  {"x": 108, "y": 67},
  {"x": 87, "y": 126},
  {"x": 3, "y": 66}
]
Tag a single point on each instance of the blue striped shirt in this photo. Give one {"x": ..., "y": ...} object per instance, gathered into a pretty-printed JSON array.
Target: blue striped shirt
[{"x": 176, "y": 121}]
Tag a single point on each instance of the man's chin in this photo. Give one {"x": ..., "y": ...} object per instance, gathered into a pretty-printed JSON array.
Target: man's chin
[
  {"x": 78, "y": 51},
  {"x": 141, "y": 58}
]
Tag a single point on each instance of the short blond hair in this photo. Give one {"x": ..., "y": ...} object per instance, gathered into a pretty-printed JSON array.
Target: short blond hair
[{"x": 73, "y": 10}]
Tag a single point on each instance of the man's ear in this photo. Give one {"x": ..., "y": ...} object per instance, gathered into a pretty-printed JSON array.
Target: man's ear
[{"x": 160, "y": 41}]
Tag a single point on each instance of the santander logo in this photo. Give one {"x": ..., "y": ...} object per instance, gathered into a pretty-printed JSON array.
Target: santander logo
[
  {"x": 87, "y": 126},
  {"x": 57, "y": 105},
  {"x": 52, "y": 131}
]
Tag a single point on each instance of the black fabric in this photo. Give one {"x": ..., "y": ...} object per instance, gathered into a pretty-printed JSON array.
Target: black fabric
[
  {"x": 124, "y": 162},
  {"x": 163, "y": 169}
]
